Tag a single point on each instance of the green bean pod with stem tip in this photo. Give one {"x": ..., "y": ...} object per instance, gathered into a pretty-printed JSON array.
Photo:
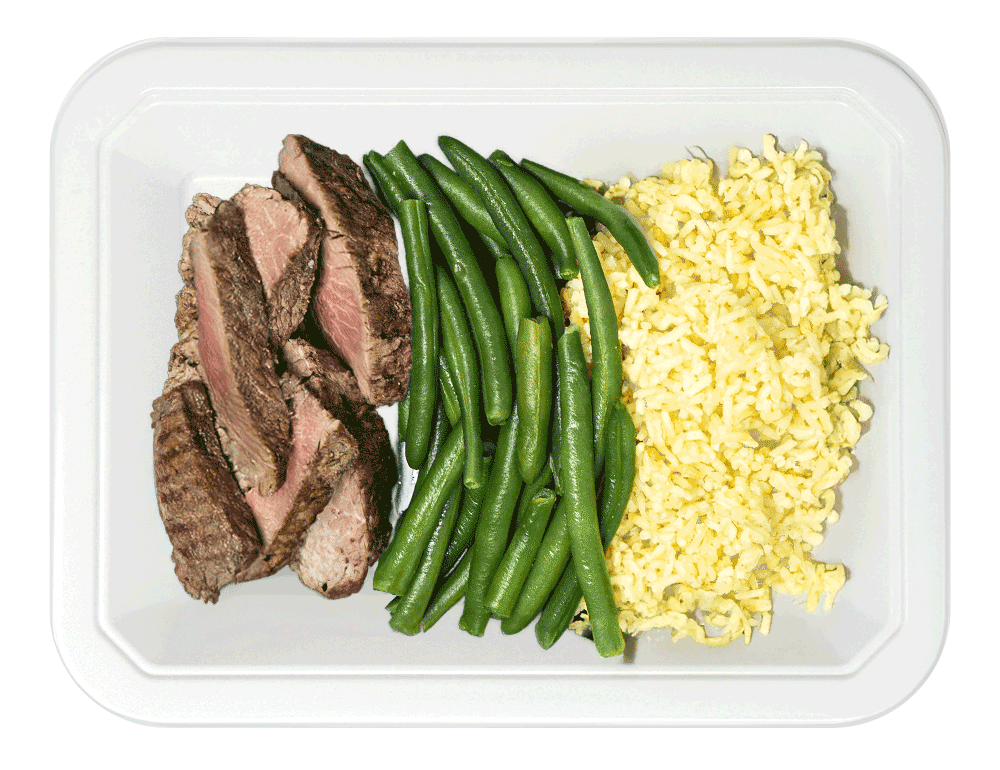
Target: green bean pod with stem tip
[
  {"x": 464, "y": 199},
  {"x": 517, "y": 559},
  {"x": 440, "y": 432},
  {"x": 515, "y": 303},
  {"x": 385, "y": 181},
  {"x": 580, "y": 496},
  {"x": 591, "y": 203},
  {"x": 451, "y": 590},
  {"x": 533, "y": 379},
  {"x": 555, "y": 449},
  {"x": 484, "y": 317},
  {"x": 606, "y": 351},
  {"x": 619, "y": 477},
  {"x": 550, "y": 561},
  {"x": 468, "y": 518},
  {"x": 493, "y": 529},
  {"x": 531, "y": 489},
  {"x": 542, "y": 211},
  {"x": 449, "y": 391},
  {"x": 460, "y": 355},
  {"x": 512, "y": 223},
  {"x": 408, "y": 614},
  {"x": 423, "y": 387},
  {"x": 402, "y": 414},
  {"x": 398, "y": 563}
]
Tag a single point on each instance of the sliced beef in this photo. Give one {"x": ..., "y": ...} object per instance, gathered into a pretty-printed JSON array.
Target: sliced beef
[
  {"x": 332, "y": 382},
  {"x": 234, "y": 351},
  {"x": 353, "y": 530},
  {"x": 207, "y": 519},
  {"x": 284, "y": 241},
  {"x": 322, "y": 453},
  {"x": 360, "y": 301},
  {"x": 184, "y": 359}
]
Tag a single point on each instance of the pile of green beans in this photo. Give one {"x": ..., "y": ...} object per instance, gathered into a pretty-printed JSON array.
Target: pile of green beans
[{"x": 526, "y": 455}]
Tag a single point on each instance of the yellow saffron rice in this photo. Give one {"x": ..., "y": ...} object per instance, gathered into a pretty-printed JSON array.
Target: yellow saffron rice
[{"x": 741, "y": 373}]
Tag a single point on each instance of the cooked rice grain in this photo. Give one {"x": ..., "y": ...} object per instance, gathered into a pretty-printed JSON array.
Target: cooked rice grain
[{"x": 741, "y": 374}]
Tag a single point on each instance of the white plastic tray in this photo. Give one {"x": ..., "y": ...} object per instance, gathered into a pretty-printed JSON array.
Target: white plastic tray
[{"x": 156, "y": 122}]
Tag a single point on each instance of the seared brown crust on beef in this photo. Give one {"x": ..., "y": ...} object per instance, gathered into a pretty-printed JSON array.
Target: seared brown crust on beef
[
  {"x": 325, "y": 375},
  {"x": 235, "y": 355},
  {"x": 280, "y": 183},
  {"x": 326, "y": 451},
  {"x": 284, "y": 240},
  {"x": 360, "y": 301},
  {"x": 184, "y": 359},
  {"x": 206, "y": 517},
  {"x": 351, "y": 533}
]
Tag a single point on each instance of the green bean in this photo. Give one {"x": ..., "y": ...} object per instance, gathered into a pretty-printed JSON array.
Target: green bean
[
  {"x": 531, "y": 489},
  {"x": 533, "y": 377},
  {"x": 422, "y": 390},
  {"x": 464, "y": 199},
  {"x": 619, "y": 476},
  {"x": 393, "y": 604},
  {"x": 555, "y": 449},
  {"x": 440, "y": 432},
  {"x": 449, "y": 391},
  {"x": 542, "y": 211},
  {"x": 560, "y": 609},
  {"x": 402, "y": 415},
  {"x": 581, "y": 499},
  {"x": 493, "y": 528},
  {"x": 550, "y": 561},
  {"x": 385, "y": 181},
  {"x": 451, "y": 590},
  {"x": 512, "y": 224},
  {"x": 465, "y": 527},
  {"x": 460, "y": 354},
  {"x": 407, "y": 615},
  {"x": 484, "y": 317},
  {"x": 516, "y": 562},
  {"x": 606, "y": 374},
  {"x": 591, "y": 203},
  {"x": 515, "y": 303},
  {"x": 398, "y": 563}
]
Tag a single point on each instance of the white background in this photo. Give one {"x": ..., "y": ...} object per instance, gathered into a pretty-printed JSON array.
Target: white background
[{"x": 951, "y": 47}]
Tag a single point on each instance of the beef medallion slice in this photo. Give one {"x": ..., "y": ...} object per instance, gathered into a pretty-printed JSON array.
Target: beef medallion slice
[
  {"x": 235, "y": 354},
  {"x": 360, "y": 301},
  {"x": 322, "y": 453},
  {"x": 184, "y": 358},
  {"x": 284, "y": 241},
  {"x": 206, "y": 517},
  {"x": 350, "y": 534}
]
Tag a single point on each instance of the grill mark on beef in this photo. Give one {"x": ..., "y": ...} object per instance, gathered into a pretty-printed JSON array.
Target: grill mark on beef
[
  {"x": 284, "y": 241},
  {"x": 322, "y": 452},
  {"x": 207, "y": 519},
  {"x": 233, "y": 346},
  {"x": 361, "y": 303}
]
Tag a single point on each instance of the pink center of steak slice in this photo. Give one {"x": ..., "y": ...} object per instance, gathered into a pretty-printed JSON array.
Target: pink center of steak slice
[
  {"x": 334, "y": 557},
  {"x": 360, "y": 303},
  {"x": 239, "y": 435},
  {"x": 276, "y": 228},
  {"x": 311, "y": 424},
  {"x": 338, "y": 306}
]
